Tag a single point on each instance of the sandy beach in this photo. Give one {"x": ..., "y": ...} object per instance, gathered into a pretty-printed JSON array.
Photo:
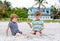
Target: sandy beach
[{"x": 50, "y": 33}]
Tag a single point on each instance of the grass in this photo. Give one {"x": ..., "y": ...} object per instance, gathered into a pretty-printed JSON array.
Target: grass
[
  {"x": 54, "y": 20},
  {"x": 27, "y": 20},
  {"x": 24, "y": 20},
  {"x": 19, "y": 20}
]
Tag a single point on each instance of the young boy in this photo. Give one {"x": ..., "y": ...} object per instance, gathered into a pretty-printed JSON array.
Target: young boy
[
  {"x": 12, "y": 25},
  {"x": 37, "y": 24}
]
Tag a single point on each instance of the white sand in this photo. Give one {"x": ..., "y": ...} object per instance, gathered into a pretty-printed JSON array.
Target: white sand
[{"x": 50, "y": 33}]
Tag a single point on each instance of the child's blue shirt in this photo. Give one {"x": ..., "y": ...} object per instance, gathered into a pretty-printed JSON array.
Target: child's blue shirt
[
  {"x": 37, "y": 24},
  {"x": 14, "y": 28}
]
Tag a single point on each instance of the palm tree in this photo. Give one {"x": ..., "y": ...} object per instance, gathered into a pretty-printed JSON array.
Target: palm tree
[
  {"x": 40, "y": 2},
  {"x": 4, "y": 7},
  {"x": 0, "y": 2},
  {"x": 7, "y": 3},
  {"x": 53, "y": 11}
]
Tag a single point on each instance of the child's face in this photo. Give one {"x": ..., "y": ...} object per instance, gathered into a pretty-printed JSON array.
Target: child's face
[
  {"x": 14, "y": 19},
  {"x": 37, "y": 17}
]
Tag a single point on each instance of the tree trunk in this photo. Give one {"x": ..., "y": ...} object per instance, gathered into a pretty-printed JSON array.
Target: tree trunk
[
  {"x": 5, "y": 0},
  {"x": 39, "y": 7}
]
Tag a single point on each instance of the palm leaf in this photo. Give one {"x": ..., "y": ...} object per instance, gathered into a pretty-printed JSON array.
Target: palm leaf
[
  {"x": 43, "y": 5},
  {"x": 35, "y": 4},
  {"x": 0, "y": 2},
  {"x": 46, "y": 2}
]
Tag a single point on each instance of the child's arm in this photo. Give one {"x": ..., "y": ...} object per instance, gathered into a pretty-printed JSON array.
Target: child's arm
[
  {"x": 43, "y": 26},
  {"x": 7, "y": 29},
  {"x": 30, "y": 25}
]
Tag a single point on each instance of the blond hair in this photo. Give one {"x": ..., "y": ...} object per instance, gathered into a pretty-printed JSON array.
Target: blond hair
[{"x": 13, "y": 16}]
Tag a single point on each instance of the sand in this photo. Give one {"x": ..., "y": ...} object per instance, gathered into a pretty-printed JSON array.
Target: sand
[{"x": 50, "y": 33}]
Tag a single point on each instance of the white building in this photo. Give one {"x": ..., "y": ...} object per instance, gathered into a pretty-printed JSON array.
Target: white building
[{"x": 45, "y": 13}]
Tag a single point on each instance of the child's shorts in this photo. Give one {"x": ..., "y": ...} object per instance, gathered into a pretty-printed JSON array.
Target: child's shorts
[
  {"x": 40, "y": 29},
  {"x": 16, "y": 32}
]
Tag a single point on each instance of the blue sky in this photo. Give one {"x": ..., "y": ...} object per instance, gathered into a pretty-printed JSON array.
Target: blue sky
[{"x": 29, "y": 3}]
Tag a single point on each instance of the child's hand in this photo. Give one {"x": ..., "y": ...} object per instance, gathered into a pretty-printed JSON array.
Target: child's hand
[
  {"x": 30, "y": 25},
  {"x": 32, "y": 32},
  {"x": 6, "y": 34},
  {"x": 43, "y": 28}
]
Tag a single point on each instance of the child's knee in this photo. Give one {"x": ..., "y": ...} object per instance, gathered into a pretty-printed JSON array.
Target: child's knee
[
  {"x": 17, "y": 34},
  {"x": 40, "y": 32},
  {"x": 20, "y": 32}
]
